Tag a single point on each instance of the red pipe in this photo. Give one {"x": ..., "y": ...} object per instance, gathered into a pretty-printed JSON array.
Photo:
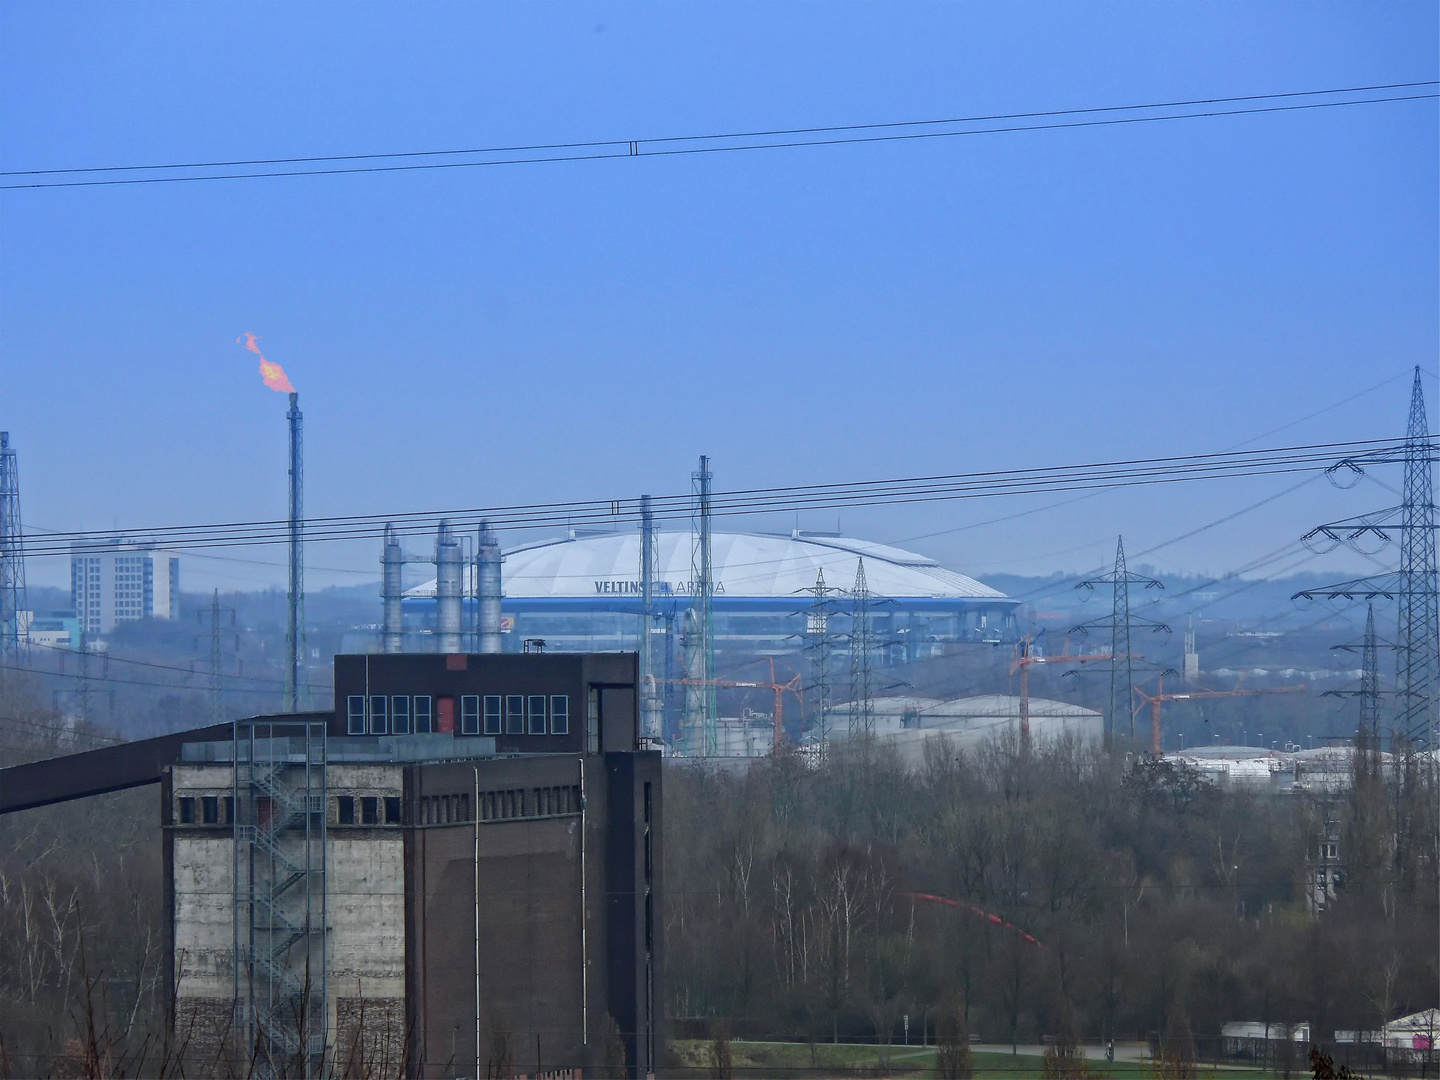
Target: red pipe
[{"x": 974, "y": 911}]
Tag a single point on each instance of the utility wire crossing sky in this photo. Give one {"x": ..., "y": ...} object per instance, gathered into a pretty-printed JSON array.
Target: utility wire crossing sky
[{"x": 665, "y": 146}]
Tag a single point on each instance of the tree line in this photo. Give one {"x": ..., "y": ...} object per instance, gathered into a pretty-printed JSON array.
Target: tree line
[{"x": 1071, "y": 889}]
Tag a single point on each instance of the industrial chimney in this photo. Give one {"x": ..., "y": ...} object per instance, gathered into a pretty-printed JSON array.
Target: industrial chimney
[
  {"x": 391, "y": 562},
  {"x": 448, "y": 591},
  {"x": 295, "y": 623},
  {"x": 487, "y": 560}
]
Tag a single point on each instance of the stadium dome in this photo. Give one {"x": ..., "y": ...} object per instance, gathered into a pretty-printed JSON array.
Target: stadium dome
[
  {"x": 583, "y": 589},
  {"x": 747, "y": 567}
]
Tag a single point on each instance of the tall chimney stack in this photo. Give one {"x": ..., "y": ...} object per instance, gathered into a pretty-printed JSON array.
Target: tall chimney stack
[
  {"x": 295, "y": 629},
  {"x": 448, "y": 594},
  {"x": 488, "y": 559},
  {"x": 391, "y": 562}
]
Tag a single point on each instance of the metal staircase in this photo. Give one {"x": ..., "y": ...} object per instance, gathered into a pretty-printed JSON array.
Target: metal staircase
[{"x": 280, "y": 883}]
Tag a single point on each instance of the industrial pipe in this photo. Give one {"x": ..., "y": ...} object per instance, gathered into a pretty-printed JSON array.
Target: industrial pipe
[
  {"x": 487, "y": 560},
  {"x": 448, "y": 566}
]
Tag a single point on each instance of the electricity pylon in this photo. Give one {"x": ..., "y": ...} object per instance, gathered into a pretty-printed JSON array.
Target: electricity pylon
[
  {"x": 1369, "y": 689},
  {"x": 12, "y": 554},
  {"x": 1119, "y": 623},
  {"x": 862, "y": 699},
  {"x": 1413, "y": 585},
  {"x": 704, "y": 705},
  {"x": 820, "y": 643}
]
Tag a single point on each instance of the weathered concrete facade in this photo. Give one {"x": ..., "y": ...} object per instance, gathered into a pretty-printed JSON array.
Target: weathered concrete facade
[{"x": 479, "y": 910}]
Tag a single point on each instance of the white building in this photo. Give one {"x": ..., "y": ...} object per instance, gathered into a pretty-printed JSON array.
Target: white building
[
  {"x": 120, "y": 583},
  {"x": 907, "y": 723}
]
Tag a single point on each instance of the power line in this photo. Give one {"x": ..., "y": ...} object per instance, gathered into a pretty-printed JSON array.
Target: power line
[
  {"x": 938, "y": 488},
  {"x": 783, "y": 138}
]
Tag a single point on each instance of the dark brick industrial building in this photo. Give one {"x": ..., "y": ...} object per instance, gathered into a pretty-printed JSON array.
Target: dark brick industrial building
[{"x": 455, "y": 873}]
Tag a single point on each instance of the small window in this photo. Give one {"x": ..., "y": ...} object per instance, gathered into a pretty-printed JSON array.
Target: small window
[
  {"x": 229, "y": 802},
  {"x": 514, "y": 715},
  {"x": 537, "y": 714},
  {"x": 210, "y": 809},
  {"x": 592, "y": 722},
  {"x": 492, "y": 714},
  {"x": 345, "y": 810},
  {"x": 355, "y": 715},
  {"x": 559, "y": 714},
  {"x": 400, "y": 715},
  {"x": 392, "y": 809},
  {"x": 470, "y": 714},
  {"x": 379, "y": 720},
  {"x": 187, "y": 810},
  {"x": 647, "y": 802},
  {"x": 422, "y": 715},
  {"x": 369, "y": 810}
]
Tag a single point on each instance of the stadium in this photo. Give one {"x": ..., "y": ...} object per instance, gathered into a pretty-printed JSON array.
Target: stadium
[{"x": 582, "y": 592}]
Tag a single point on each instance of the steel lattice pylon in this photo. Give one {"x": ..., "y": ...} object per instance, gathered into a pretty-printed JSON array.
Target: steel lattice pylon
[
  {"x": 862, "y": 697},
  {"x": 1417, "y": 661},
  {"x": 1119, "y": 623},
  {"x": 12, "y": 553},
  {"x": 650, "y": 701},
  {"x": 820, "y": 643},
  {"x": 1369, "y": 691},
  {"x": 1369, "y": 679},
  {"x": 1413, "y": 585},
  {"x": 703, "y": 712}
]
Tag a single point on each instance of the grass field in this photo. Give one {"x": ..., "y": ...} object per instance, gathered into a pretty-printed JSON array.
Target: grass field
[{"x": 784, "y": 1060}]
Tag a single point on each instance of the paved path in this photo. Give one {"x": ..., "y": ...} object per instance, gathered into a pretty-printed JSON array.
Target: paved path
[{"x": 1124, "y": 1051}]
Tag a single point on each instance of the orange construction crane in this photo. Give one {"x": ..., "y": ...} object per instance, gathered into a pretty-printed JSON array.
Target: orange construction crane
[
  {"x": 1156, "y": 699},
  {"x": 777, "y": 688},
  {"x": 1022, "y": 661}
]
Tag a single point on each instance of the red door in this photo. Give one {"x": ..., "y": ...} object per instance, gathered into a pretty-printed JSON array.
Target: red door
[{"x": 445, "y": 715}]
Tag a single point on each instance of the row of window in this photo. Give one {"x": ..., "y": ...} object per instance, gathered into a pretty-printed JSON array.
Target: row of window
[
  {"x": 370, "y": 809},
  {"x": 505, "y": 805},
  {"x": 492, "y": 714},
  {"x": 397, "y": 715},
  {"x": 220, "y": 810}
]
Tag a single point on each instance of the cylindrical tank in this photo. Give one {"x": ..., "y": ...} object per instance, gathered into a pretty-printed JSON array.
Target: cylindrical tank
[
  {"x": 447, "y": 591},
  {"x": 488, "y": 559},
  {"x": 390, "y": 591}
]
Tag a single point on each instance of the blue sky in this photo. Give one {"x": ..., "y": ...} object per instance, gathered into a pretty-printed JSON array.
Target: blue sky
[{"x": 475, "y": 337}]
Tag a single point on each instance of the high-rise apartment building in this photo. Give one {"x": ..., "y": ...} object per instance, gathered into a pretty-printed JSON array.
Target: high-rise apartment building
[{"x": 120, "y": 583}]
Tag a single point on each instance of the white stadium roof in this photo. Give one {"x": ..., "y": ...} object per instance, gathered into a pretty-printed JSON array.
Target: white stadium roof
[{"x": 746, "y": 565}]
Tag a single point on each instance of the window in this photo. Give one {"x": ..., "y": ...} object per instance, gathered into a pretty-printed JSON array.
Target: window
[
  {"x": 210, "y": 810},
  {"x": 229, "y": 802},
  {"x": 514, "y": 715},
  {"x": 378, "y": 720},
  {"x": 422, "y": 715},
  {"x": 592, "y": 722},
  {"x": 537, "y": 714},
  {"x": 559, "y": 714},
  {"x": 470, "y": 714},
  {"x": 187, "y": 810},
  {"x": 369, "y": 810},
  {"x": 345, "y": 810},
  {"x": 392, "y": 809},
  {"x": 355, "y": 715},
  {"x": 492, "y": 714},
  {"x": 400, "y": 715},
  {"x": 647, "y": 802}
]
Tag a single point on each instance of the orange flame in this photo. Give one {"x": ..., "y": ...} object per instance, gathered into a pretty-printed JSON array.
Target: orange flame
[{"x": 273, "y": 374}]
